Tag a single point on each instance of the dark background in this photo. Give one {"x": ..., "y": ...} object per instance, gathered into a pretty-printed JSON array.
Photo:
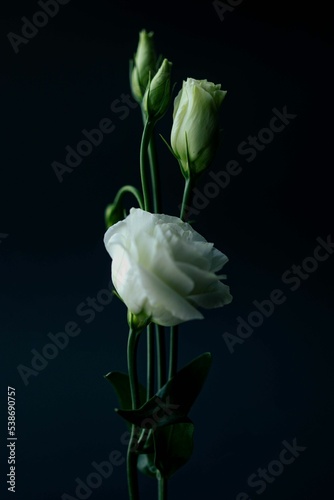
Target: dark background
[{"x": 276, "y": 386}]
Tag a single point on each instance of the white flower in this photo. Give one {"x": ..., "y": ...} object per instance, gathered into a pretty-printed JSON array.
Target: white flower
[
  {"x": 163, "y": 268},
  {"x": 195, "y": 131}
]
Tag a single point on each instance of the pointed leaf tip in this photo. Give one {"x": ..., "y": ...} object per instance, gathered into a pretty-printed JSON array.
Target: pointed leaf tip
[{"x": 175, "y": 399}]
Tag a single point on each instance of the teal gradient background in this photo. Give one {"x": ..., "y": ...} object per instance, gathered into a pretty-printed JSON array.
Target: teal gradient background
[{"x": 278, "y": 384}]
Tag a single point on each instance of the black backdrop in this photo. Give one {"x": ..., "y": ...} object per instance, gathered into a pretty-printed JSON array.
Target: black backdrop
[{"x": 276, "y": 386}]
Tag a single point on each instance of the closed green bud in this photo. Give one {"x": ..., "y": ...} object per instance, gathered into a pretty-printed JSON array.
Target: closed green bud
[
  {"x": 113, "y": 214},
  {"x": 158, "y": 93},
  {"x": 143, "y": 65},
  {"x": 195, "y": 131}
]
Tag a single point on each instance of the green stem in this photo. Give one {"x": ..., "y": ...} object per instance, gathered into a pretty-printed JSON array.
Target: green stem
[
  {"x": 162, "y": 489},
  {"x": 129, "y": 189},
  {"x": 134, "y": 388},
  {"x": 145, "y": 140},
  {"x": 161, "y": 355},
  {"x": 144, "y": 435},
  {"x": 132, "y": 367},
  {"x": 173, "y": 351},
  {"x": 132, "y": 475},
  {"x": 186, "y": 196},
  {"x": 150, "y": 361},
  {"x": 155, "y": 178}
]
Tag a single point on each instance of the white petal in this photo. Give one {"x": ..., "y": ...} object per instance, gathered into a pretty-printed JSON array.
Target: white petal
[
  {"x": 203, "y": 279},
  {"x": 156, "y": 259},
  {"x": 126, "y": 279},
  {"x": 218, "y": 260},
  {"x": 166, "y": 306},
  {"x": 218, "y": 296}
]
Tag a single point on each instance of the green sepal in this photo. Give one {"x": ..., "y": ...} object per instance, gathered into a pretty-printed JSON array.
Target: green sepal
[
  {"x": 168, "y": 146},
  {"x": 174, "y": 400}
]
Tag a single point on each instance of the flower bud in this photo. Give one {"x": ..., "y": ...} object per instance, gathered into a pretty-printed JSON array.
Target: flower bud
[
  {"x": 113, "y": 213},
  {"x": 158, "y": 93},
  {"x": 144, "y": 64},
  {"x": 195, "y": 131}
]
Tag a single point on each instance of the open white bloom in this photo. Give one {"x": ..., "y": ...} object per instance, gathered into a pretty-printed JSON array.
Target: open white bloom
[{"x": 163, "y": 268}]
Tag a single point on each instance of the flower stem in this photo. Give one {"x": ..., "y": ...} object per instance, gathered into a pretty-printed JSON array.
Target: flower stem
[
  {"x": 161, "y": 355},
  {"x": 152, "y": 156},
  {"x": 173, "y": 351},
  {"x": 150, "y": 361},
  {"x": 132, "y": 367},
  {"x": 162, "y": 488},
  {"x": 129, "y": 189},
  {"x": 134, "y": 388},
  {"x": 186, "y": 196},
  {"x": 153, "y": 160},
  {"x": 145, "y": 140},
  {"x": 132, "y": 468}
]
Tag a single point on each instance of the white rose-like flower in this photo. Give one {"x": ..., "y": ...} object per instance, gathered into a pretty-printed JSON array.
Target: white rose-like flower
[
  {"x": 195, "y": 131},
  {"x": 161, "y": 267}
]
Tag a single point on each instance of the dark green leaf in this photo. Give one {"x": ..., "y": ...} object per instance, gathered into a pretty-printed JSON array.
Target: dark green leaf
[
  {"x": 173, "y": 447},
  {"x": 173, "y": 401},
  {"x": 121, "y": 384}
]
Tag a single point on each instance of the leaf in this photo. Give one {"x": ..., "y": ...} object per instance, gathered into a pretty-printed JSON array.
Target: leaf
[
  {"x": 121, "y": 383},
  {"x": 168, "y": 146},
  {"x": 173, "y": 447},
  {"x": 173, "y": 401}
]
